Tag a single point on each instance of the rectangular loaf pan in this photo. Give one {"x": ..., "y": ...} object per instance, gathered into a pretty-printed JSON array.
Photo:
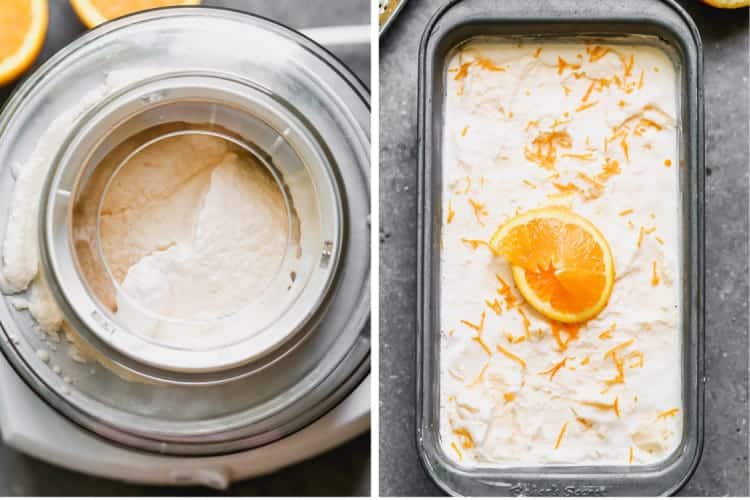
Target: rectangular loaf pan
[{"x": 462, "y": 20}]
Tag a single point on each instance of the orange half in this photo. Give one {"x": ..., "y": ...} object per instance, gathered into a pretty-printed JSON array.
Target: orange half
[
  {"x": 23, "y": 27},
  {"x": 95, "y": 12},
  {"x": 727, "y": 4},
  {"x": 561, "y": 262}
]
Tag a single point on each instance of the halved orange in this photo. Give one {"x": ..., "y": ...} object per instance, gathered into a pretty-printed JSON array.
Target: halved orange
[
  {"x": 23, "y": 26},
  {"x": 560, "y": 261},
  {"x": 727, "y": 4},
  {"x": 94, "y": 12}
]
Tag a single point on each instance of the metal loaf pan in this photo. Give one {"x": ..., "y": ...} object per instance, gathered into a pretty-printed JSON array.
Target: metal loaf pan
[
  {"x": 391, "y": 12},
  {"x": 461, "y": 20}
]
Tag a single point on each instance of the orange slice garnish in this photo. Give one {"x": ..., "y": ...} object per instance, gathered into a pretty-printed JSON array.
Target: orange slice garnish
[
  {"x": 561, "y": 262},
  {"x": 94, "y": 12}
]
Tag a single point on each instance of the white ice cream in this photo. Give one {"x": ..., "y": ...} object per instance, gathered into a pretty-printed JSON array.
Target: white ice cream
[
  {"x": 192, "y": 229},
  {"x": 604, "y": 121},
  {"x": 20, "y": 248}
]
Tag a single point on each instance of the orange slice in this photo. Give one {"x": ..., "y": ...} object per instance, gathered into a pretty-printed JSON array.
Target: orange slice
[
  {"x": 727, "y": 4},
  {"x": 95, "y": 12},
  {"x": 23, "y": 26},
  {"x": 561, "y": 262}
]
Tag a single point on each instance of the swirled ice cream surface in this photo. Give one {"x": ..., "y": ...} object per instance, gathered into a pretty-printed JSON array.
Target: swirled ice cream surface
[{"x": 593, "y": 128}]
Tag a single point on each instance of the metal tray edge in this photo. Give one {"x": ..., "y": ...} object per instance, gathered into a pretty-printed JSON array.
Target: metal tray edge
[{"x": 422, "y": 271}]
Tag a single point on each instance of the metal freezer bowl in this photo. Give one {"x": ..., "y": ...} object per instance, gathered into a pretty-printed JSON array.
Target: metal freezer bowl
[{"x": 458, "y": 21}]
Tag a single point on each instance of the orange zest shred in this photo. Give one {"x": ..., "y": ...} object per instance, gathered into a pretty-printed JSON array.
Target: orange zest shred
[
  {"x": 560, "y": 435},
  {"x": 478, "y": 340},
  {"x": 669, "y": 413},
  {"x": 458, "y": 452},
  {"x": 619, "y": 378},
  {"x": 480, "y": 376},
  {"x": 451, "y": 212},
  {"x": 646, "y": 122},
  {"x": 636, "y": 358},
  {"x": 589, "y": 180},
  {"x": 474, "y": 244},
  {"x": 468, "y": 185},
  {"x": 530, "y": 184},
  {"x": 506, "y": 293},
  {"x": 543, "y": 150},
  {"x": 479, "y": 210},
  {"x": 514, "y": 340},
  {"x": 568, "y": 188},
  {"x": 611, "y": 167},
  {"x": 567, "y": 90},
  {"x": 659, "y": 240},
  {"x": 607, "y": 334},
  {"x": 509, "y": 397},
  {"x": 640, "y": 80},
  {"x": 586, "y": 360},
  {"x": 619, "y": 346},
  {"x": 614, "y": 406},
  {"x": 588, "y": 92},
  {"x": 667, "y": 163},
  {"x": 464, "y": 436},
  {"x": 583, "y": 107},
  {"x": 597, "y": 52},
  {"x": 494, "y": 305},
  {"x": 478, "y": 328},
  {"x": 463, "y": 70},
  {"x": 464, "y": 130},
  {"x": 525, "y": 320},
  {"x": 558, "y": 122},
  {"x": 570, "y": 329},
  {"x": 628, "y": 63},
  {"x": 487, "y": 64},
  {"x": 654, "y": 275},
  {"x": 630, "y": 456},
  {"x": 585, "y": 422},
  {"x": 552, "y": 371},
  {"x": 512, "y": 356},
  {"x": 626, "y": 212},
  {"x": 625, "y": 149},
  {"x": 578, "y": 156},
  {"x": 641, "y": 234},
  {"x": 482, "y": 62},
  {"x": 537, "y": 52}
]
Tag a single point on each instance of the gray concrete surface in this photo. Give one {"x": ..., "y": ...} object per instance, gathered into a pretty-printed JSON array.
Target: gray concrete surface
[
  {"x": 344, "y": 471},
  {"x": 724, "y": 467}
]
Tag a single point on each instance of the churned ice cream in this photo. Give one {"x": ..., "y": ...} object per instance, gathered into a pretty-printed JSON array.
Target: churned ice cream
[
  {"x": 592, "y": 128},
  {"x": 191, "y": 227}
]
